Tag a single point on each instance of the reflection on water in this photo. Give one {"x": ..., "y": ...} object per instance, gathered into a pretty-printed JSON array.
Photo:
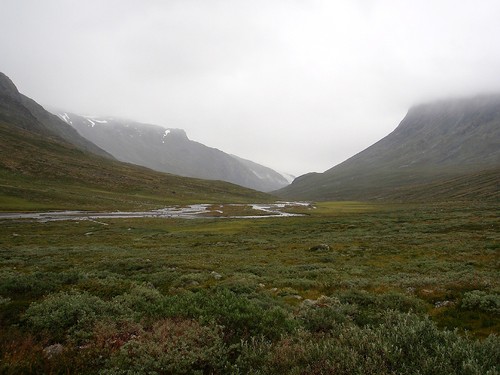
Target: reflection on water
[{"x": 194, "y": 211}]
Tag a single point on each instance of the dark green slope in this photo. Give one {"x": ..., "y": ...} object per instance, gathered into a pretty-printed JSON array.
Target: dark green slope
[
  {"x": 438, "y": 148},
  {"x": 43, "y": 170},
  {"x": 23, "y": 112}
]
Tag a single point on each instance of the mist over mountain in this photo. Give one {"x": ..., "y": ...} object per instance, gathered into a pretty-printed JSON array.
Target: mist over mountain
[
  {"x": 447, "y": 145},
  {"x": 171, "y": 151}
]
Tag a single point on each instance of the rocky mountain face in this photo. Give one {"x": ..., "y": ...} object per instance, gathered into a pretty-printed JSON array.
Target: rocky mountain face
[
  {"x": 437, "y": 144},
  {"x": 24, "y": 113},
  {"x": 171, "y": 151}
]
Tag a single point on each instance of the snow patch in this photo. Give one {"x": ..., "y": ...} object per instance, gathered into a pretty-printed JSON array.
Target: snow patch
[
  {"x": 167, "y": 132},
  {"x": 92, "y": 123},
  {"x": 65, "y": 118},
  {"x": 258, "y": 175},
  {"x": 93, "y": 119},
  {"x": 287, "y": 177}
]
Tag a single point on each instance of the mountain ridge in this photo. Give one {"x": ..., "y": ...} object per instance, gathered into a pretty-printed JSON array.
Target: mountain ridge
[{"x": 170, "y": 150}]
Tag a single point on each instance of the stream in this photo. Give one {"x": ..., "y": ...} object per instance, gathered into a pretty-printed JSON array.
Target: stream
[{"x": 194, "y": 211}]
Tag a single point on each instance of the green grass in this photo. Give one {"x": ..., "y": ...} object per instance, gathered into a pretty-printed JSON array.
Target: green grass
[{"x": 255, "y": 286}]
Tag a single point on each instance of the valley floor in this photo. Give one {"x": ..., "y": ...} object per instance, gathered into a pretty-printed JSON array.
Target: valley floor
[{"x": 348, "y": 288}]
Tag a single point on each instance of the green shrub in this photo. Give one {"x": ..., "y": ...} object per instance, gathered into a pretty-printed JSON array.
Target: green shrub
[
  {"x": 171, "y": 347},
  {"x": 143, "y": 300},
  {"x": 4, "y": 301},
  {"x": 400, "y": 302},
  {"x": 240, "y": 317},
  {"x": 70, "y": 313},
  {"x": 105, "y": 286},
  {"x": 35, "y": 284},
  {"x": 401, "y": 344},
  {"x": 325, "y": 314},
  {"x": 487, "y": 302}
]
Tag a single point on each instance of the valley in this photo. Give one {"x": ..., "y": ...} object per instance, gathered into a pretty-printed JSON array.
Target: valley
[
  {"x": 348, "y": 287},
  {"x": 385, "y": 264}
]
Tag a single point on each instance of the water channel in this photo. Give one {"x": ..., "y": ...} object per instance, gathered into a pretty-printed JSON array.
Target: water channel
[{"x": 194, "y": 211}]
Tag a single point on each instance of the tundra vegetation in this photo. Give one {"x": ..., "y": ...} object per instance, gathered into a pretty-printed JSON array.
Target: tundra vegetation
[{"x": 350, "y": 288}]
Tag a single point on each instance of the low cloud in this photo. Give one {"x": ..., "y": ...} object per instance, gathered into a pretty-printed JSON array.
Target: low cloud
[{"x": 296, "y": 85}]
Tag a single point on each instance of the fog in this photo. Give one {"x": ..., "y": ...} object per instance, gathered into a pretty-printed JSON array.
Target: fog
[{"x": 296, "y": 85}]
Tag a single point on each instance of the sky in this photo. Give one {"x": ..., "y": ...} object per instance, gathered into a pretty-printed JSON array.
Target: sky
[{"x": 296, "y": 85}]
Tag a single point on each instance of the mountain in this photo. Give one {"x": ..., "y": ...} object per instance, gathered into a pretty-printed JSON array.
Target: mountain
[
  {"x": 46, "y": 164},
  {"x": 24, "y": 113},
  {"x": 449, "y": 149},
  {"x": 171, "y": 151}
]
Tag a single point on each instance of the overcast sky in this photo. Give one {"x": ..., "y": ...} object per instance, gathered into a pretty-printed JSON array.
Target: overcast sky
[{"x": 297, "y": 85}]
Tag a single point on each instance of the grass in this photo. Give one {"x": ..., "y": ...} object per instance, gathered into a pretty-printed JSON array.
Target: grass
[{"x": 434, "y": 261}]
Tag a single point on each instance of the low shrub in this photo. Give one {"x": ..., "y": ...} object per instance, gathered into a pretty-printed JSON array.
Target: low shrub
[
  {"x": 170, "y": 347},
  {"x": 325, "y": 314},
  {"x": 35, "y": 284},
  {"x": 240, "y": 317},
  {"x": 70, "y": 313},
  {"x": 142, "y": 299},
  {"x": 487, "y": 302},
  {"x": 401, "y": 344}
]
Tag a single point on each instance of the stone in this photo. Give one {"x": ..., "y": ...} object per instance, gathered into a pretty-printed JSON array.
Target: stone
[
  {"x": 52, "y": 350},
  {"x": 320, "y": 247}
]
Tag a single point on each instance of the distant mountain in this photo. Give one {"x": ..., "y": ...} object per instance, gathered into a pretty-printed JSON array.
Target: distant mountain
[
  {"x": 171, "y": 151},
  {"x": 24, "y": 113},
  {"x": 448, "y": 149},
  {"x": 45, "y": 164}
]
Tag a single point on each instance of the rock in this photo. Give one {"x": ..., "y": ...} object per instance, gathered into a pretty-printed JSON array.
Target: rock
[
  {"x": 322, "y": 301},
  {"x": 410, "y": 290},
  {"x": 320, "y": 247},
  {"x": 440, "y": 304},
  {"x": 308, "y": 302},
  {"x": 215, "y": 275},
  {"x": 52, "y": 350}
]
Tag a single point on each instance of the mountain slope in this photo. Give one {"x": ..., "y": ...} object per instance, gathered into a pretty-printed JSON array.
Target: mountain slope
[
  {"x": 22, "y": 112},
  {"x": 438, "y": 144},
  {"x": 41, "y": 170},
  {"x": 171, "y": 151}
]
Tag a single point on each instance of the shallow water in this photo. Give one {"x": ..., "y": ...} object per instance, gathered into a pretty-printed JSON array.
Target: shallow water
[{"x": 194, "y": 211}]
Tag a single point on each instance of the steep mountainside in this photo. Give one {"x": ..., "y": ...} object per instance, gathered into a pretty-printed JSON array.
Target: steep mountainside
[
  {"x": 41, "y": 169},
  {"x": 171, "y": 151},
  {"x": 452, "y": 143},
  {"x": 22, "y": 112}
]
